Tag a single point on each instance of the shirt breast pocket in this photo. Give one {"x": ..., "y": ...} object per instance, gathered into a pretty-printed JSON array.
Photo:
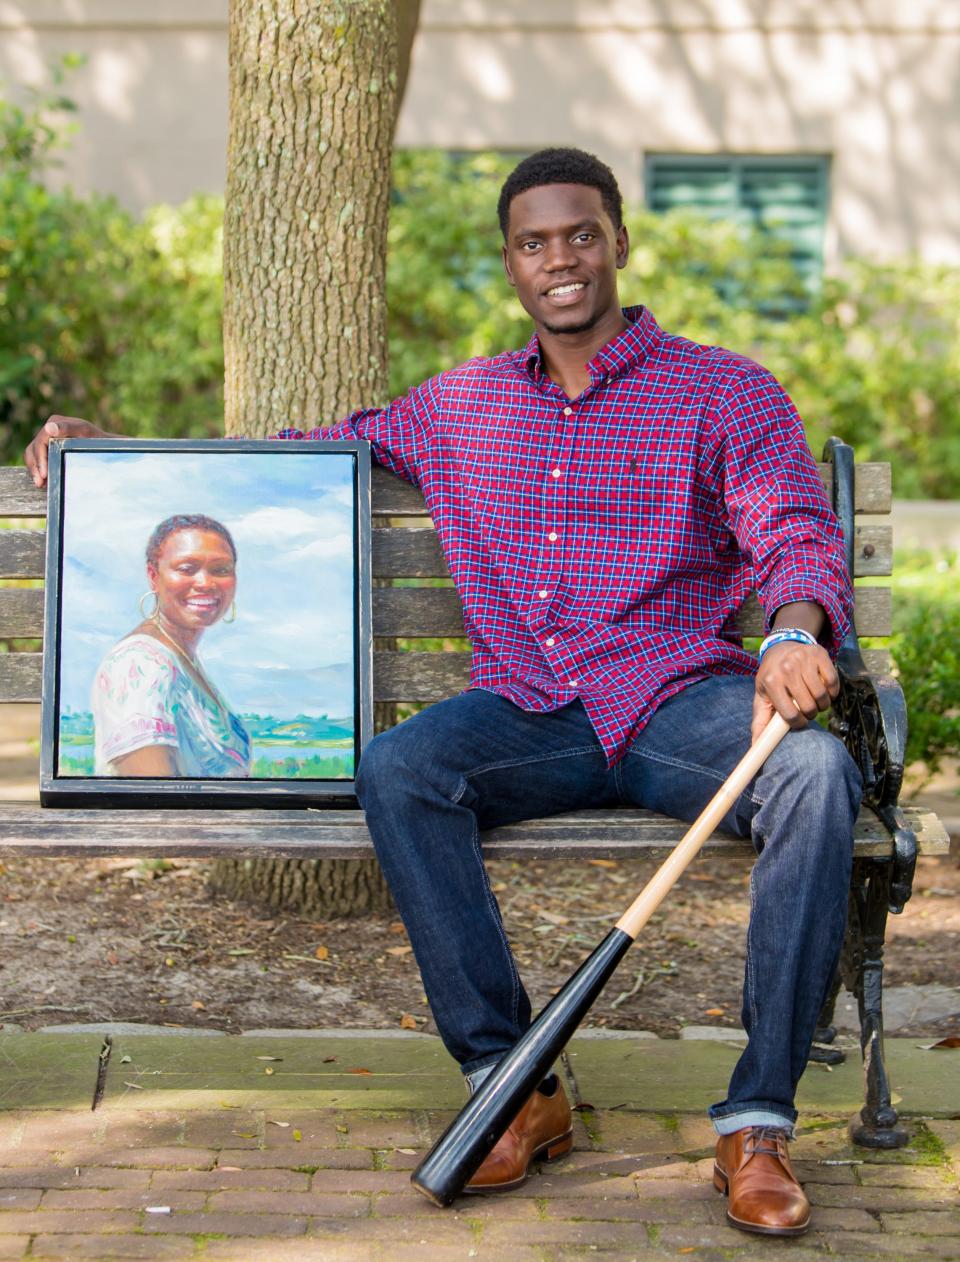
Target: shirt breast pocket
[{"x": 631, "y": 496}]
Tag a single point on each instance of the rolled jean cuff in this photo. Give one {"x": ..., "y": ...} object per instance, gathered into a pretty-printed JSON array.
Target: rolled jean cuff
[
  {"x": 475, "y": 1078},
  {"x": 730, "y": 1122}
]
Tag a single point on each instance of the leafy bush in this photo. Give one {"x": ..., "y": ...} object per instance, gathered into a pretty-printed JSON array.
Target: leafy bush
[
  {"x": 102, "y": 315},
  {"x": 926, "y": 651},
  {"x": 448, "y": 298}
]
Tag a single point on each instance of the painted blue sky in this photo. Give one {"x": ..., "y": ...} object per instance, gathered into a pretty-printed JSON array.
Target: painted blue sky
[{"x": 290, "y": 650}]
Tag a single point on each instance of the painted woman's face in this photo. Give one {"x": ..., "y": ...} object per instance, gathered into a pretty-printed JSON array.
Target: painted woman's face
[{"x": 195, "y": 578}]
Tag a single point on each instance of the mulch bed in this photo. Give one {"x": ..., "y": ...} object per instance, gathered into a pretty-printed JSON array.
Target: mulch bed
[{"x": 121, "y": 940}]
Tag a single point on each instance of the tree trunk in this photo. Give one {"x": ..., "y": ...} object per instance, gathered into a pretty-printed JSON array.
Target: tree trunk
[{"x": 313, "y": 100}]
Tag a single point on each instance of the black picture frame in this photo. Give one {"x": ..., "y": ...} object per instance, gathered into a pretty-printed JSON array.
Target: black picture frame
[{"x": 316, "y": 754}]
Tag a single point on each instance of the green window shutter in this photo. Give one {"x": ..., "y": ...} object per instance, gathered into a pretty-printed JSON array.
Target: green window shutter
[{"x": 783, "y": 196}]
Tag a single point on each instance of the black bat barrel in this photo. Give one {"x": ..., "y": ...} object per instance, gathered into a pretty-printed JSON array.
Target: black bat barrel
[{"x": 461, "y": 1149}]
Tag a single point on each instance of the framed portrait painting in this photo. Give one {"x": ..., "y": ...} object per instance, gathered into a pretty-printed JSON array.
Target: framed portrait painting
[{"x": 208, "y": 626}]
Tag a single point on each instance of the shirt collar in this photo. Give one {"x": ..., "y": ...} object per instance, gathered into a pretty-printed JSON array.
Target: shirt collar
[{"x": 629, "y": 348}]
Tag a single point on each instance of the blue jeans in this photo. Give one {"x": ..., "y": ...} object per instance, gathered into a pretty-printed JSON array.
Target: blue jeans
[{"x": 429, "y": 785}]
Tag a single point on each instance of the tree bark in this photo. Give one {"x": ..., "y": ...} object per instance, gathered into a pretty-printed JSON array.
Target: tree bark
[
  {"x": 313, "y": 102},
  {"x": 312, "y": 106}
]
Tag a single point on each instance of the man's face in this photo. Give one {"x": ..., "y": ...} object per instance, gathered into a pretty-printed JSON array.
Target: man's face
[{"x": 561, "y": 255}]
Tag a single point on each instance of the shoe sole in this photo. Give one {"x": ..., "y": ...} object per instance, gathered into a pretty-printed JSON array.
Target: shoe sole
[
  {"x": 549, "y": 1151},
  {"x": 722, "y": 1184}
]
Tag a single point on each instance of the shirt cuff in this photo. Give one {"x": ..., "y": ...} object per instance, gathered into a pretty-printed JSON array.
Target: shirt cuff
[{"x": 836, "y": 607}]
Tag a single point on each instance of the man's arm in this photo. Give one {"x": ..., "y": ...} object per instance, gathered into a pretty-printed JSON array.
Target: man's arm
[
  {"x": 399, "y": 434},
  {"x": 778, "y": 510}
]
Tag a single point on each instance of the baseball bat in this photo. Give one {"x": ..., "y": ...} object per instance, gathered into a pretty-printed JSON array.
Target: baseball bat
[{"x": 471, "y": 1135}]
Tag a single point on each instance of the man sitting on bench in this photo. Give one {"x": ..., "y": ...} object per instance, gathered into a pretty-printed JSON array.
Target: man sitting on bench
[{"x": 606, "y": 497}]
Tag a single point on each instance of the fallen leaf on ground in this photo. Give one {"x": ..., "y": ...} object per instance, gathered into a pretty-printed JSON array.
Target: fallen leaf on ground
[
  {"x": 553, "y": 918},
  {"x": 359, "y": 1071},
  {"x": 411, "y": 1152},
  {"x": 397, "y": 926},
  {"x": 603, "y": 863},
  {"x": 112, "y": 957},
  {"x": 952, "y": 1040},
  {"x": 322, "y": 953},
  {"x": 329, "y": 1060},
  {"x": 231, "y": 1168},
  {"x": 273, "y": 1123},
  {"x": 242, "y": 951},
  {"x": 268, "y": 1069},
  {"x": 407, "y": 1022},
  {"x": 404, "y": 950},
  {"x": 713, "y": 1012},
  {"x": 198, "y": 1005},
  {"x": 298, "y": 1135},
  {"x": 343, "y": 1130},
  {"x": 268, "y": 1058}
]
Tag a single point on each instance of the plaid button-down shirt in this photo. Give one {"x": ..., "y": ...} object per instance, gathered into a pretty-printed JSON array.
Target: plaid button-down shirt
[{"x": 601, "y": 545}]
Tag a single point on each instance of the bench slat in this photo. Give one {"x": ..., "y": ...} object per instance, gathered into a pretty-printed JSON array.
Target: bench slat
[
  {"x": 399, "y": 552},
  {"x": 391, "y": 496},
  {"x": 419, "y": 612},
  {"x": 414, "y": 677},
  {"x": 22, "y": 553},
  {"x": 27, "y": 829},
  {"x": 21, "y": 612},
  {"x": 396, "y": 676}
]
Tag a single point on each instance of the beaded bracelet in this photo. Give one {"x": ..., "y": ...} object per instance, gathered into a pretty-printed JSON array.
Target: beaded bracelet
[{"x": 783, "y": 634}]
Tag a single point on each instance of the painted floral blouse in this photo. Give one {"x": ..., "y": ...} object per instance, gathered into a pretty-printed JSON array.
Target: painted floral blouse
[{"x": 142, "y": 695}]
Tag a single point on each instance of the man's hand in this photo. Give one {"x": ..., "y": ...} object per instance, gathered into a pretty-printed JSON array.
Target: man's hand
[
  {"x": 796, "y": 680},
  {"x": 35, "y": 456}
]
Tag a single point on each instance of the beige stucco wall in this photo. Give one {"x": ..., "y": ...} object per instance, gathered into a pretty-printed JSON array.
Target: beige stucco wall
[{"x": 872, "y": 83}]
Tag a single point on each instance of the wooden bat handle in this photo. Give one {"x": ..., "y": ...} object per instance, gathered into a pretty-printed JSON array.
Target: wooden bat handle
[{"x": 669, "y": 872}]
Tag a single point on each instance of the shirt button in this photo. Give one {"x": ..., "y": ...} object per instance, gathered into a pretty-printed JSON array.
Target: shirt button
[
  {"x": 555, "y": 473},
  {"x": 543, "y": 595},
  {"x": 550, "y": 643},
  {"x": 568, "y": 411},
  {"x": 574, "y": 683},
  {"x": 552, "y": 536}
]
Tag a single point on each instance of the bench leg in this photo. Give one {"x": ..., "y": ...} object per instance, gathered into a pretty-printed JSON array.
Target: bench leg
[
  {"x": 822, "y": 1052},
  {"x": 876, "y": 1124}
]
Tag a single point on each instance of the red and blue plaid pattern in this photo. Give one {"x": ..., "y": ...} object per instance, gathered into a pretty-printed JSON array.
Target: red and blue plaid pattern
[{"x": 601, "y": 545}]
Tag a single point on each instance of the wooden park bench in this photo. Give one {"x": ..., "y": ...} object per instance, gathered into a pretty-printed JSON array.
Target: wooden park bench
[{"x": 870, "y": 717}]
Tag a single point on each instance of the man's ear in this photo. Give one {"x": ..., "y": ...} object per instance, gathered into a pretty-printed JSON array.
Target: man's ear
[
  {"x": 506, "y": 265},
  {"x": 623, "y": 246}
]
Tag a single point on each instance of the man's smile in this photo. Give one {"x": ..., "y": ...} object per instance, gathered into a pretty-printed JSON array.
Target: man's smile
[{"x": 569, "y": 292}]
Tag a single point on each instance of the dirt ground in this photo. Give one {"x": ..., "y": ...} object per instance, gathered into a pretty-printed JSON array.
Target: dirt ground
[
  {"x": 97, "y": 940},
  {"x": 144, "y": 941}
]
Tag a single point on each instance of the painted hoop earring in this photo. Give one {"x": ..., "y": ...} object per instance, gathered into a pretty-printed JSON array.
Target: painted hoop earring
[
  {"x": 146, "y": 596},
  {"x": 230, "y": 615}
]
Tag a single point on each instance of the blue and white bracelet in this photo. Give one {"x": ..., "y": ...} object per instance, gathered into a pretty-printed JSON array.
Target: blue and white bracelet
[{"x": 783, "y": 634}]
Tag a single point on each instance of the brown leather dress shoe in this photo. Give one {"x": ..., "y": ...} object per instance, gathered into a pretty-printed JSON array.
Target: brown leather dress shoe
[
  {"x": 541, "y": 1131},
  {"x": 753, "y": 1168}
]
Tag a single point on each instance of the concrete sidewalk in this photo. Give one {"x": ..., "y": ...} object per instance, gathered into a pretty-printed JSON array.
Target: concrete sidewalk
[{"x": 297, "y": 1145}]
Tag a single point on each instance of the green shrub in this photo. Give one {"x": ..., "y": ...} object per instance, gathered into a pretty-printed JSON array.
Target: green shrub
[
  {"x": 449, "y": 300},
  {"x": 102, "y": 315},
  {"x": 926, "y": 650}
]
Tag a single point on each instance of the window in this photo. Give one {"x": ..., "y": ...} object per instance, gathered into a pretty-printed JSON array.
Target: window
[{"x": 784, "y": 196}]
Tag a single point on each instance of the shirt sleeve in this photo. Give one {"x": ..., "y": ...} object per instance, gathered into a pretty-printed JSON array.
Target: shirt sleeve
[
  {"x": 776, "y": 504},
  {"x": 133, "y": 702},
  {"x": 399, "y": 434}
]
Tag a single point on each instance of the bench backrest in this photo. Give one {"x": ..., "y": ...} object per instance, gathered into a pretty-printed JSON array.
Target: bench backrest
[{"x": 409, "y": 607}]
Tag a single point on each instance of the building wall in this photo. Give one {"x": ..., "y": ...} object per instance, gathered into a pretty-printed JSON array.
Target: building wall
[{"x": 874, "y": 84}]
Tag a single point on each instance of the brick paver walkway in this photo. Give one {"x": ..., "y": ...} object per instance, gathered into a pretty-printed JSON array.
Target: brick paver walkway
[{"x": 270, "y": 1185}]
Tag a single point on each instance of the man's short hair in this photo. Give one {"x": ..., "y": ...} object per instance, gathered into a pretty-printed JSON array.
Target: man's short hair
[{"x": 561, "y": 166}]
